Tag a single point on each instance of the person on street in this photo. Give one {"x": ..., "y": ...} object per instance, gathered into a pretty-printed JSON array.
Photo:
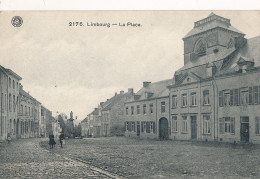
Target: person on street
[
  {"x": 51, "y": 140},
  {"x": 61, "y": 137},
  {"x": 9, "y": 138}
]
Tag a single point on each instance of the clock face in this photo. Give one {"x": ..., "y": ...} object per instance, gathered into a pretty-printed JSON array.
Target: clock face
[{"x": 212, "y": 39}]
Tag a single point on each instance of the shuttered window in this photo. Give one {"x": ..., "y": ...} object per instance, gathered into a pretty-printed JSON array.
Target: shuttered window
[
  {"x": 257, "y": 127},
  {"x": 236, "y": 97},
  {"x": 231, "y": 97},
  {"x": 221, "y": 125},
  {"x": 250, "y": 95},
  {"x": 256, "y": 95},
  {"x": 142, "y": 126},
  {"x": 220, "y": 98},
  {"x": 147, "y": 127}
]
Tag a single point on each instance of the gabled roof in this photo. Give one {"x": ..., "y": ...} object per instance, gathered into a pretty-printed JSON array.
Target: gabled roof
[
  {"x": 157, "y": 89},
  {"x": 114, "y": 100},
  {"x": 10, "y": 72},
  {"x": 249, "y": 53},
  {"x": 211, "y": 22}
]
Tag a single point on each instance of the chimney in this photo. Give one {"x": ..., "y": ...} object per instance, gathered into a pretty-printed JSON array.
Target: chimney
[
  {"x": 121, "y": 92},
  {"x": 115, "y": 93},
  {"x": 131, "y": 91},
  {"x": 146, "y": 83},
  {"x": 96, "y": 109}
]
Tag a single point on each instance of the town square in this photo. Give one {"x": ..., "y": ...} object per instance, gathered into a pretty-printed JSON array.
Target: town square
[{"x": 176, "y": 97}]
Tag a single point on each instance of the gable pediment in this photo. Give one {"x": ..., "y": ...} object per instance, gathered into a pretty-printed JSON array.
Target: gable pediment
[{"x": 188, "y": 78}]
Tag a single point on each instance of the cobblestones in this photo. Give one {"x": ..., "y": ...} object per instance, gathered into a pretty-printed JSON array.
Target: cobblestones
[
  {"x": 24, "y": 158},
  {"x": 133, "y": 158}
]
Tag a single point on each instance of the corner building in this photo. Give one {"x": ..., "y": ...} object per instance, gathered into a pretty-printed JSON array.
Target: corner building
[{"x": 215, "y": 95}]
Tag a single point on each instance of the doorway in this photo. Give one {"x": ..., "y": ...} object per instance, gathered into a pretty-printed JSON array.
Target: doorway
[
  {"x": 163, "y": 129},
  {"x": 244, "y": 129},
  {"x": 138, "y": 128},
  {"x": 193, "y": 121}
]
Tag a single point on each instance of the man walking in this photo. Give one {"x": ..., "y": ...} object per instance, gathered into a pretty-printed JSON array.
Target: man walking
[{"x": 61, "y": 137}]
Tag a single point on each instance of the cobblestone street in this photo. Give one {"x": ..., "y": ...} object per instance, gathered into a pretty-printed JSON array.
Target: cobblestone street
[
  {"x": 24, "y": 158},
  {"x": 134, "y": 158}
]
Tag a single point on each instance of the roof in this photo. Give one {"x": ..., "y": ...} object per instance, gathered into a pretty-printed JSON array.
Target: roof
[
  {"x": 24, "y": 93},
  {"x": 156, "y": 89},
  {"x": 208, "y": 59},
  {"x": 10, "y": 72},
  {"x": 114, "y": 100},
  {"x": 250, "y": 53},
  {"x": 209, "y": 23}
]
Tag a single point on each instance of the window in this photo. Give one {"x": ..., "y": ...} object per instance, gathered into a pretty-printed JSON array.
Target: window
[
  {"x": 9, "y": 82},
  {"x": 144, "y": 108},
  {"x": 132, "y": 110},
  {"x": 25, "y": 108},
  {"x": 220, "y": 98},
  {"x": 13, "y": 84},
  {"x": 200, "y": 48},
  {"x": 244, "y": 96},
  {"x": 126, "y": 126},
  {"x": 14, "y": 103},
  {"x": 10, "y": 102},
  {"x": 138, "y": 109},
  {"x": 226, "y": 98},
  {"x": 206, "y": 124},
  {"x": 206, "y": 97},
  {"x": 174, "y": 124},
  {"x": 257, "y": 127},
  {"x": 184, "y": 100},
  {"x": 2, "y": 102},
  {"x": 143, "y": 125},
  {"x": 174, "y": 101},
  {"x": 256, "y": 95},
  {"x": 126, "y": 110},
  {"x": 163, "y": 107},
  {"x": 152, "y": 127},
  {"x": 17, "y": 86},
  {"x": 151, "y": 108},
  {"x": 250, "y": 98},
  {"x": 148, "y": 127},
  {"x": 229, "y": 125},
  {"x": 236, "y": 97},
  {"x": 133, "y": 126},
  {"x": 231, "y": 97},
  {"x": 184, "y": 124},
  {"x": 29, "y": 111},
  {"x": 193, "y": 99}
]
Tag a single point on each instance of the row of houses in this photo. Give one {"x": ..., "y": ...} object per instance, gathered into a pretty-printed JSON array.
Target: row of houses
[
  {"x": 22, "y": 116},
  {"x": 215, "y": 96},
  {"x": 107, "y": 119}
]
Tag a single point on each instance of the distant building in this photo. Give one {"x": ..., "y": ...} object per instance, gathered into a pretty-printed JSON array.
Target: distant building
[
  {"x": 112, "y": 112},
  {"x": 12, "y": 84},
  {"x": 147, "y": 111},
  {"x": 85, "y": 127},
  {"x": 28, "y": 115},
  {"x": 45, "y": 124},
  {"x": 56, "y": 128}
]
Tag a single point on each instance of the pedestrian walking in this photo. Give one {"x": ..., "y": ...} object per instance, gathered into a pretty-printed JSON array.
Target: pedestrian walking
[
  {"x": 61, "y": 139},
  {"x": 51, "y": 140},
  {"x": 9, "y": 138}
]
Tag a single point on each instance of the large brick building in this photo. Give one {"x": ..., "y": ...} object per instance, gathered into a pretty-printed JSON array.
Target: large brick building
[{"x": 215, "y": 95}]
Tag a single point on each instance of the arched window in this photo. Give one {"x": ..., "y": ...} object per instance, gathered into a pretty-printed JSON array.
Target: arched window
[
  {"x": 200, "y": 47},
  {"x": 230, "y": 43}
]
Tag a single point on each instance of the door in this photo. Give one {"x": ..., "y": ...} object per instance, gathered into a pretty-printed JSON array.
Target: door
[
  {"x": 163, "y": 129},
  {"x": 244, "y": 129},
  {"x": 193, "y": 127},
  {"x": 138, "y": 128}
]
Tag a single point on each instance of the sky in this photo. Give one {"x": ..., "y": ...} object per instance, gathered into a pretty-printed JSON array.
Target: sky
[{"x": 74, "y": 68}]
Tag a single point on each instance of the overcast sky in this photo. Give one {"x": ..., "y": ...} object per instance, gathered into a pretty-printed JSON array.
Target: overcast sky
[{"x": 75, "y": 68}]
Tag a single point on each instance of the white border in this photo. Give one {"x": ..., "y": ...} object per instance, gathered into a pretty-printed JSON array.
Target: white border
[{"x": 129, "y": 5}]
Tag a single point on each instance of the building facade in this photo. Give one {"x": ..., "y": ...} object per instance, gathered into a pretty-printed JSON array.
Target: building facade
[
  {"x": 215, "y": 95},
  {"x": 147, "y": 112},
  {"x": 112, "y": 121},
  {"x": 4, "y": 110}
]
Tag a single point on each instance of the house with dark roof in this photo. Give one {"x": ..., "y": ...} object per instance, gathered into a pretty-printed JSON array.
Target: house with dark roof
[
  {"x": 215, "y": 95},
  {"x": 147, "y": 112},
  {"x": 112, "y": 123}
]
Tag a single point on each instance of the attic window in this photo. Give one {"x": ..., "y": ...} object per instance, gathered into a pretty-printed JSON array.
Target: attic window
[{"x": 200, "y": 48}]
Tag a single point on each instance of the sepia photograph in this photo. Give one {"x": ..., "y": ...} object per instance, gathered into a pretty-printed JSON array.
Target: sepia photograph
[{"x": 130, "y": 94}]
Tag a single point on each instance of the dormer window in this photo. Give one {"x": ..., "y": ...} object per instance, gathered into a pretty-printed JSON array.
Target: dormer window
[{"x": 200, "y": 47}]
